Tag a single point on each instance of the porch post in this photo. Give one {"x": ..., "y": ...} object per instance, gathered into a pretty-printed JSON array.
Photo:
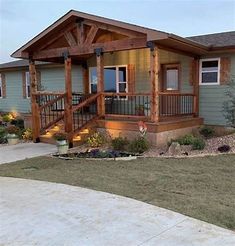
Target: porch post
[
  {"x": 34, "y": 105},
  {"x": 100, "y": 81},
  {"x": 68, "y": 114},
  {"x": 196, "y": 87},
  {"x": 154, "y": 78}
]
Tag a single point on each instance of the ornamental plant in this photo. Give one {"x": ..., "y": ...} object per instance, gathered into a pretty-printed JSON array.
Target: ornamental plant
[
  {"x": 60, "y": 136},
  {"x": 96, "y": 140},
  {"x": 12, "y": 130}
]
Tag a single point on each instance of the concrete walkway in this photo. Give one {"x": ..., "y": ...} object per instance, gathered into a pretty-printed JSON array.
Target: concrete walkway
[
  {"x": 11, "y": 153},
  {"x": 42, "y": 213}
]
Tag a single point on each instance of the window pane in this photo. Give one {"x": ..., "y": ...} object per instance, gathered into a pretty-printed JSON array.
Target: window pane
[
  {"x": 93, "y": 74},
  {"x": 110, "y": 79},
  {"x": 122, "y": 74},
  {"x": 210, "y": 77},
  {"x": 172, "y": 79},
  {"x": 93, "y": 88},
  {"x": 28, "y": 90},
  {"x": 122, "y": 87},
  {"x": 209, "y": 64}
]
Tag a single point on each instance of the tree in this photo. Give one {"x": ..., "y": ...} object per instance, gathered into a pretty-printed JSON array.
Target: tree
[{"x": 229, "y": 104}]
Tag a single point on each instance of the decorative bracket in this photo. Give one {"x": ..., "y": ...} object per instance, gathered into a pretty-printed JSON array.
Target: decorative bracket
[
  {"x": 98, "y": 51},
  {"x": 150, "y": 45},
  {"x": 65, "y": 55}
]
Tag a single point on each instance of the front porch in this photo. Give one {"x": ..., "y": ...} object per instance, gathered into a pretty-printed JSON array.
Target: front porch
[{"x": 128, "y": 74}]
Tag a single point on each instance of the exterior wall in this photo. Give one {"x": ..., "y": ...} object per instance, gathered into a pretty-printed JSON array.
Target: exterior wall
[
  {"x": 212, "y": 97},
  {"x": 52, "y": 79},
  {"x": 141, "y": 59}
]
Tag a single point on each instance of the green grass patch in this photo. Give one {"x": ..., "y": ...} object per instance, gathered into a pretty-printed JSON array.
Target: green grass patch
[{"x": 203, "y": 188}]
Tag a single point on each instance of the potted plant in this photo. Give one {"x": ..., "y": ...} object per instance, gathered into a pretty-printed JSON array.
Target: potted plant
[
  {"x": 139, "y": 110},
  {"x": 12, "y": 134},
  {"x": 62, "y": 144}
]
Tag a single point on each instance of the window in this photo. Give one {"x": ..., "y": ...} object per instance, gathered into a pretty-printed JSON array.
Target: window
[
  {"x": 27, "y": 84},
  {"x": 171, "y": 77},
  {"x": 1, "y": 92},
  {"x": 115, "y": 79},
  {"x": 209, "y": 71}
]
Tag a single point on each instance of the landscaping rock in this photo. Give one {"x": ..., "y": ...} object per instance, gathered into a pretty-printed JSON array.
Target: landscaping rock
[{"x": 174, "y": 149}]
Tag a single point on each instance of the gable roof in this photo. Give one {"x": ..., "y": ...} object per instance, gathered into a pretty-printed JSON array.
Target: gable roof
[
  {"x": 222, "y": 39},
  {"x": 72, "y": 16}
]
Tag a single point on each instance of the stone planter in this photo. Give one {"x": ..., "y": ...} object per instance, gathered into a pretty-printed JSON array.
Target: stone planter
[
  {"x": 62, "y": 147},
  {"x": 12, "y": 139}
]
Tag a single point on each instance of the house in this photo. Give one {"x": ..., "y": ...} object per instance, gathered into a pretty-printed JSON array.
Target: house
[{"x": 88, "y": 71}]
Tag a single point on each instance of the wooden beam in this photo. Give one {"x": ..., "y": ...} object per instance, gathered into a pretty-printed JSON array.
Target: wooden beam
[
  {"x": 196, "y": 87},
  {"x": 125, "y": 32},
  {"x": 100, "y": 82},
  {"x": 79, "y": 50},
  {"x": 34, "y": 105},
  {"x": 68, "y": 28},
  {"x": 80, "y": 33},
  {"x": 91, "y": 35},
  {"x": 70, "y": 39},
  {"x": 68, "y": 99},
  {"x": 155, "y": 83}
]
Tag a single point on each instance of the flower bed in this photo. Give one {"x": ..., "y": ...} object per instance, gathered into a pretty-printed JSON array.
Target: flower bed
[{"x": 97, "y": 154}]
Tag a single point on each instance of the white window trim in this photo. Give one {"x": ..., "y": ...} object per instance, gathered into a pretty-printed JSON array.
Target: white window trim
[
  {"x": 1, "y": 96},
  {"x": 218, "y": 71},
  {"x": 26, "y": 84},
  {"x": 117, "y": 78}
]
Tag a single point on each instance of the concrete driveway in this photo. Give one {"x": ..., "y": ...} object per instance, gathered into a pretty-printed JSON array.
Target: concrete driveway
[
  {"x": 11, "y": 153},
  {"x": 42, "y": 213}
]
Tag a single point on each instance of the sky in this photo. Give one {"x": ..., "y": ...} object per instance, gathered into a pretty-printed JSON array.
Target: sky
[{"x": 21, "y": 20}]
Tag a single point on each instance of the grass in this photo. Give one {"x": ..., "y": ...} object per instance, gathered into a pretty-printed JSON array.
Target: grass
[{"x": 203, "y": 188}]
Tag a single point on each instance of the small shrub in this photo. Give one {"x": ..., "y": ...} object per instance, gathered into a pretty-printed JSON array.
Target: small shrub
[
  {"x": 2, "y": 135},
  {"x": 186, "y": 140},
  {"x": 224, "y": 148},
  {"x": 12, "y": 130},
  {"x": 119, "y": 143},
  {"x": 27, "y": 134},
  {"x": 139, "y": 145},
  {"x": 60, "y": 136},
  {"x": 18, "y": 122},
  {"x": 198, "y": 144},
  {"x": 7, "y": 117},
  {"x": 96, "y": 140},
  {"x": 207, "y": 132}
]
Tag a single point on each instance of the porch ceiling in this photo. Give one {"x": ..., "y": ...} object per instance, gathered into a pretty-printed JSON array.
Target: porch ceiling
[{"x": 79, "y": 34}]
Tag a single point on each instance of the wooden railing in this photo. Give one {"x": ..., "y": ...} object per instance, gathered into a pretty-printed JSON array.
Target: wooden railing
[
  {"x": 127, "y": 104},
  {"x": 50, "y": 108},
  {"x": 78, "y": 98},
  {"x": 85, "y": 112},
  {"x": 176, "y": 104}
]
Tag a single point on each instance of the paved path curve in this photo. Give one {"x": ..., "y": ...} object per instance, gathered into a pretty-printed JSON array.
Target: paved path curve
[
  {"x": 11, "y": 153},
  {"x": 43, "y": 213}
]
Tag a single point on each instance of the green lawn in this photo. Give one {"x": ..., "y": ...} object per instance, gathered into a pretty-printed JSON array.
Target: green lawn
[{"x": 203, "y": 188}]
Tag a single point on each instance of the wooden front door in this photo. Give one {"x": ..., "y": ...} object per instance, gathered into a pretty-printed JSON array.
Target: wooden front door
[{"x": 169, "y": 98}]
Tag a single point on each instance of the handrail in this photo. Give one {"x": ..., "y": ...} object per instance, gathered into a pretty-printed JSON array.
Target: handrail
[
  {"x": 51, "y": 102},
  {"x": 88, "y": 100},
  {"x": 55, "y": 93},
  {"x": 125, "y": 94},
  {"x": 176, "y": 94}
]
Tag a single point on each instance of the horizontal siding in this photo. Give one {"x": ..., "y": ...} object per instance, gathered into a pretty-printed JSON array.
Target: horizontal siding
[
  {"x": 212, "y": 98},
  {"x": 52, "y": 79}
]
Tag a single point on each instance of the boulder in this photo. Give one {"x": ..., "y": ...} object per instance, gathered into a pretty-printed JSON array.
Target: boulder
[{"x": 174, "y": 149}]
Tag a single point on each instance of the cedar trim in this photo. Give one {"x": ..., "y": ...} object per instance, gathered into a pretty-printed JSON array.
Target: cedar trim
[
  {"x": 117, "y": 45},
  {"x": 165, "y": 66}
]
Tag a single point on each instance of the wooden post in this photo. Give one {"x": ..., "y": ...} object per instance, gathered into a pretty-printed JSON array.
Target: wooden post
[
  {"x": 68, "y": 114},
  {"x": 196, "y": 87},
  {"x": 34, "y": 105},
  {"x": 154, "y": 78},
  {"x": 100, "y": 82}
]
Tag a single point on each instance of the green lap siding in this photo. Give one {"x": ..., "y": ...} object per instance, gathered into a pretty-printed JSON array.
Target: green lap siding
[
  {"x": 14, "y": 100},
  {"x": 52, "y": 79},
  {"x": 212, "y": 98}
]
